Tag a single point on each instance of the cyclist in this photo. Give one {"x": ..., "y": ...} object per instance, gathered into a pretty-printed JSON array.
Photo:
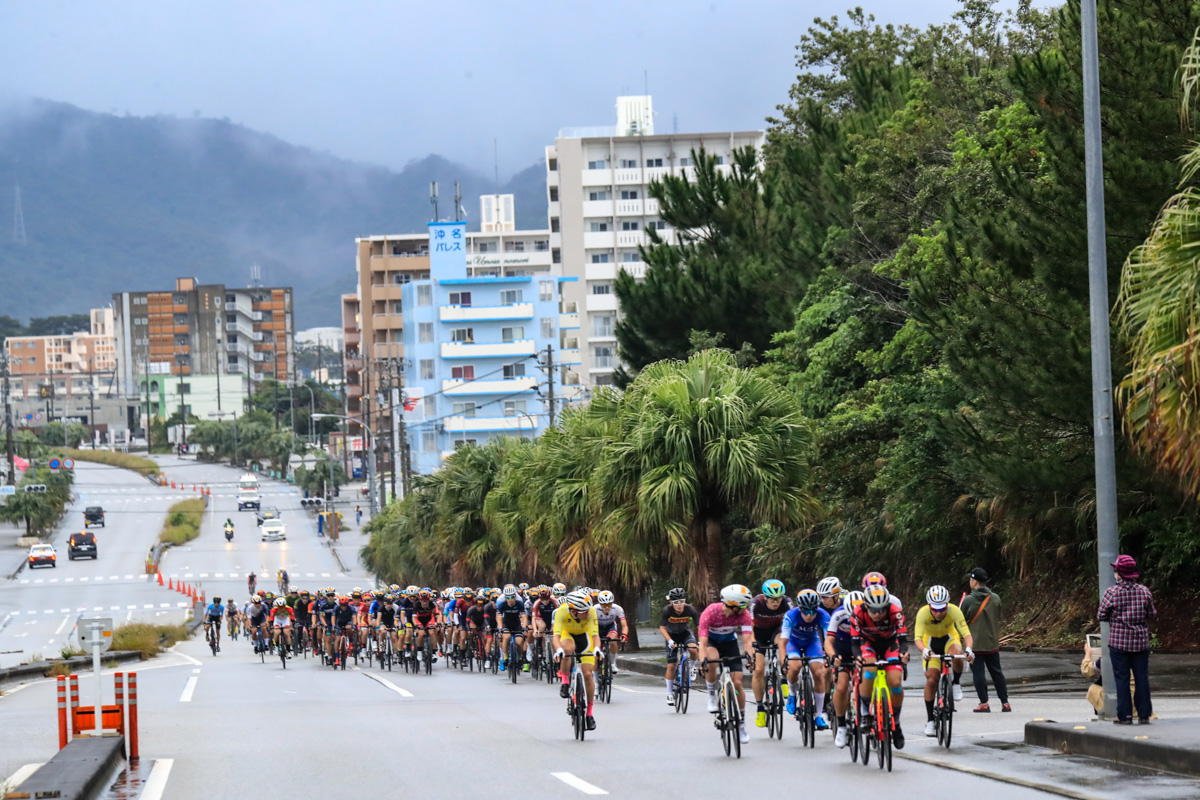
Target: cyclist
[
  {"x": 767, "y": 610},
  {"x": 343, "y": 625},
  {"x": 281, "y": 620},
  {"x": 512, "y": 622},
  {"x": 232, "y": 618},
  {"x": 325, "y": 607},
  {"x": 256, "y": 621},
  {"x": 576, "y": 634},
  {"x": 421, "y": 618},
  {"x": 476, "y": 619},
  {"x": 541, "y": 613},
  {"x": 609, "y": 615},
  {"x": 213, "y": 616},
  {"x": 251, "y": 582},
  {"x": 385, "y": 619},
  {"x": 877, "y": 631},
  {"x": 803, "y": 635},
  {"x": 841, "y": 657},
  {"x": 719, "y": 626},
  {"x": 941, "y": 629},
  {"x": 831, "y": 593},
  {"x": 675, "y": 626}
]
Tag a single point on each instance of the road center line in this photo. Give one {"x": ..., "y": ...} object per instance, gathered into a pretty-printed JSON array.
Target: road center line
[
  {"x": 389, "y": 684},
  {"x": 578, "y": 783},
  {"x": 633, "y": 691},
  {"x": 157, "y": 782},
  {"x": 62, "y": 624},
  {"x": 188, "y": 689}
]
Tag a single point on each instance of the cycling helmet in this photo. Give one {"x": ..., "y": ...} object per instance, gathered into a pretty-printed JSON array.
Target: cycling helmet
[
  {"x": 938, "y": 598},
  {"x": 808, "y": 600},
  {"x": 543, "y": 591},
  {"x": 774, "y": 588},
  {"x": 293, "y": 589},
  {"x": 736, "y": 595},
  {"x": 458, "y": 594},
  {"x": 829, "y": 587},
  {"x": 280, "y": 602},
  {"x": 304, "y": 593},
  {"x": 367, "y": 596},
  {"x": 343, "y": 601},
  {"x": 480, "y": 597},
  {"x": 411, "y": 589},
  {"x": 578, "y": 601},
  {"x": 257, "y": 599},
  {"x": 559, "y": 589},
  {"x": 606, "y": 598},
  {"x": 873, "y": 578},
  {"x": 356, "y": 594},
  {"x": 676, "y": 595},
  {"x": 524, "y": 587},
  {"x": 853, "y": 599},
  {"x": 510, "y": 590},
  {"x": 395, "y": 588},
  {"x": 877, "y": 598},
  {"x": 262, "y": 592},
  {"x": 425, "y": 594}
]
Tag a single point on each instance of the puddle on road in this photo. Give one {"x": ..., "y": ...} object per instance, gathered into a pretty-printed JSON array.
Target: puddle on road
[{"x": 130, "y": 781}]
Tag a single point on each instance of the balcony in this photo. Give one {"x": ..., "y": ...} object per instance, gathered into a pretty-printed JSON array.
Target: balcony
[
  {"x": 630, "y": 238},
  {"x": 602, "y": 302},
  {"x": 598, "y": 240},
  {"x": 600, "y": 272},
  {"x": 568, "y": 320},
  {"x": 635, "y": 268},
  {"x": 458, "y": 387},
  {"x": 230, "y": 306},
  {"x": 603, "y": 364},
  {"x": 513, "y": 424},
  {"x": 352, "y": 335},
  {"x": 481, "y": 313},
  {"x": 630, "y": 208},
  {"x": 596, "y": 177},
  {"x": 628, "y": 176},
  {"x": 522, "y": 347},
  {"x": 570, "y": 342},
  {"x": 597, "y": 208},
  {"x": 569, "y": 356}
]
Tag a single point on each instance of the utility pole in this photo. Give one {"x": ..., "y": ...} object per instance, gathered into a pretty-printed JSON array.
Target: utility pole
[
  {"x": 367, "y": 402},
  {"x": 550, "y": 379},
  {"x": 91, "y": 402},
  {"x": 182, "y": 443},
  {"x": 149, "y": 426},
  {"x": 405, "y": 448},
  {"x": 218, "y": 369},
  {"x": 8, "y": 426},
  {"x": 393, "y": 392}
]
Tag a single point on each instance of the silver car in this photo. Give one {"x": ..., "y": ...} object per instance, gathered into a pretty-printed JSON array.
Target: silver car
[{"x": 273, "y": 530}]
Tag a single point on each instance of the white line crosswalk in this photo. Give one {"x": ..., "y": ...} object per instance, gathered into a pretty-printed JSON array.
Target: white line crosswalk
[
  {"x": 98, "y": 578},
  {"x": 35, "y": 612}
]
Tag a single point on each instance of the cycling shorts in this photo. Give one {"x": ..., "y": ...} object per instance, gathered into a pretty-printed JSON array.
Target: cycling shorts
[
  {"x": 766, "y": 636},
  {"x": 730, "y": 652},
  {"x": 255, "y": 621},
  {"x": 516, "y": 630},
  {"x": 682, "y": 639},
  {"x": 883, "y": 649},
  {"x": 605, "y": 630},
  {"x": 842, "y": 650},
  {"x": 938, "y": 645},
  {"x": 421, "y": 621},
  {"x": 209, "y": 618},
  {"x": 811, "y": 648},
  {"x": 583, "y": 644},
  {"x": 283, "y": 622}
]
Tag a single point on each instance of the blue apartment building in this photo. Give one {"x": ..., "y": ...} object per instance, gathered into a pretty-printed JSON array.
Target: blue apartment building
[{"x": 479, "y": 352}]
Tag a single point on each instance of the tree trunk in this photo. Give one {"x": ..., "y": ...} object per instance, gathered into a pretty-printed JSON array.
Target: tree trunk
[{"x": 713, "y": 556}]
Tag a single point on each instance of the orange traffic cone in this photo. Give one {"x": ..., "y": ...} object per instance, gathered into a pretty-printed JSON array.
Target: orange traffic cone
[
  {"x": 170, "y": 583},
  {"x": 160, "y": 583}
]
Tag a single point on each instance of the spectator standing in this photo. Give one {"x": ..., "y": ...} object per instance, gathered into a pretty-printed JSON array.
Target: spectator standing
[
  {"x": 1126, "y": 606},
  {"x": 982, "y": 610},
  {"x": 358, "y": 514}
]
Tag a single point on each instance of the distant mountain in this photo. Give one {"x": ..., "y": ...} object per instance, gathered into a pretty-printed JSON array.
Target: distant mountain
[{"x": 127, "y": 203}]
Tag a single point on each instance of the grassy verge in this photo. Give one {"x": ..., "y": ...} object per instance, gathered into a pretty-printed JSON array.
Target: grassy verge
[
  {"x": 183, "y": 522},
  {"x": 149, "y": 639},
  {"x": 142, "y": 466}
]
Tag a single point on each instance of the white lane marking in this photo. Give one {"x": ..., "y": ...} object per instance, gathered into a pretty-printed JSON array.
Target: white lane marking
[
  {"x": 82, "y": 608},
  {"x": 156, "y": 783},
  {"x": 148, "y": 605},
  {"x": 219, "y": 575},
  {"x": 184, "y": 656},
  {"x": 130, "y": 608},
  {"x": 188, "y": 689},
  {"x": 83, "y": 579},
  {"x": 40, "y": 580},
  {"x": 633, "y": 691},
  {"x": 54, "y": 580},
  {"x": 64, "y": 611},
  {"x": 112, "y": 578},
  {"x": 128, "y": 577},
  {"x": 310, "y": 575},
  {"x": 62, "y": 624},
  {"x": 324, "y": 574},
  {"x": 195, "y": 672},
  {"x": 112, "y": 608},
  {"x": 578, "y": 783},
  {"x": 202, "y": 575},
  {"x": 65, "y": 580},
  {"x": 389, "y": 684},
  {"x": 27, "y": 580},
  {"x": 18, "y": 777},
  {"x": 168, "y": 605}
]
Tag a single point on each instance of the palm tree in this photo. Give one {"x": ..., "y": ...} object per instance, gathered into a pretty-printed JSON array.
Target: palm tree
[
  {"x": 1158, "y": 310},
  {"x": 695, "y": 441}
]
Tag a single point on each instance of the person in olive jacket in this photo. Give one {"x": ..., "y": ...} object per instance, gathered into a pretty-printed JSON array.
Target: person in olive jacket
[{"x": 982, "y": 609}]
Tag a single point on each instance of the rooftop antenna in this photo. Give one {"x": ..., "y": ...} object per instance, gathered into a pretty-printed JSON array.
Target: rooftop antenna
[
  {"x": 457, "y": 201},
  {"x": 496, "y": 163},
  {"x": 19, "y": 219},
  {"x": 675, "y": 122},
  {"x": 433, "y": 199},
  {"x": 646, "y": 81}
]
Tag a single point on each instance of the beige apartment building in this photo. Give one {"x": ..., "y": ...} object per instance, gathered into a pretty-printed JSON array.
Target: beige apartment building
[{"x": 71, "y": 365}]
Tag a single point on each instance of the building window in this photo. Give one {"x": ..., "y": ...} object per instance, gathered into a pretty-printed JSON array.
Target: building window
[
  {"x": 461, "y": 443},
  {"x": 629, "y": 257},
  {"x": 233, "y": 359},
  {"x": 600, "y": 258},
  {"x": 556, "y": 256},
  {"x": 628, "y": 163},
  {"x": 425, "y": 332},
  {"x": 598, "y": 227},
  {"x": 460, "y": 299},
  {"x": 547, "y": 327},
  {"x": 512, "y": 334},
  {"x": 463, "y": 373},
  {"x": 514, "y": 247},
  {"x": 720, "y": 160},
  {"x": 554, "y": 224},
  {"x": 426, "y": 369},
  {"x": 464, "y": 335},
  {"x": 397, "y": 309},
  {"x": 602, "y": 325},
  {"x": 429, "y": 441},
  {"x": 18, "y": 345},
  {"x": 629, "y": 194},
  {"x": 514, "y": 371},
  {"x": 599, "y": 194},
  {"x": 430, "y": 404},
  {"x": 597, "y": 164},
  {"x": 466, "y": 409},
  {"x": 553, "y": 194},
  {"x": 545, "y": 290},
  {"x": 179, "y": 300},
  {"x": 401, "y": 278},
  {"x": 552, "y": 165},
  {"x": 654, "y": 162},
  {"x": 657, "y": 224},
  {"x": 630, "y": 226},
  {"x": 602, "y": 356},
  {"x": 602, "y": 288},
  {"x": 510, "y": 297},
  {"x": 485, "y": 247},
  {"x": 685, "y": 161},
  {"x": 604, "y": 380},
  {"x": 33, "y": 359},
  {"x": 541, "y": 245},
  {"x": 514, "y": 407},
  {"x": 424, "y": 295}
]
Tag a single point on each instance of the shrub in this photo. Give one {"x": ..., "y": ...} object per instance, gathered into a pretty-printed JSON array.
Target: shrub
[
  {"x": 148, "y": 639},
  {"x": 183, "y": 522},
  {"x": 138, "y": 464}
]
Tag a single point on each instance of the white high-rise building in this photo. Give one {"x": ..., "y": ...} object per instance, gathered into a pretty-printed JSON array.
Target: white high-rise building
[{"x": 599, "y": 211}]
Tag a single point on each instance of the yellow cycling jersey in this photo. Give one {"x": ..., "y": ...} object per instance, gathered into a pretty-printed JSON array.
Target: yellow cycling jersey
[
  {"x": 954, "y": 624},
  {"x": 565, "y": 624}
]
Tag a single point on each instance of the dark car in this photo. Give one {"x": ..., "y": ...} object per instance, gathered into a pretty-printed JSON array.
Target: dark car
[
  {"x": 93, "y": 515},
  {"x": 270, "y": 512},
  {"x": 82, "y": 544}
]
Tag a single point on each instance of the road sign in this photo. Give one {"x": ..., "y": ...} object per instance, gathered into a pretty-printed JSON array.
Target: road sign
[
  {"x": 29, "y": 417},
  {"x": 55, "y": 464},
  {"x": 38, "y": 416},
  {"x": 89, "y": 633},
  {"x": 68, "y": 463},
  {"x": 7, "y": 490}
]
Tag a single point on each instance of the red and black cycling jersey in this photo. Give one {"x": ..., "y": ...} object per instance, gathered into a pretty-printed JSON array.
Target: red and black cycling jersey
[
  {"x": 477, "y": 616},
  {"x": 767, "y": 617},
  {"x": 865, "y": 629},
  {"x": 421, "y": 611},
  {"x": 544, "y": 608}
]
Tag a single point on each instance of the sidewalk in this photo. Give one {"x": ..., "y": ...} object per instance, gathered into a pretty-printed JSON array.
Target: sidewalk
[{"x": 1172, "y": 745}]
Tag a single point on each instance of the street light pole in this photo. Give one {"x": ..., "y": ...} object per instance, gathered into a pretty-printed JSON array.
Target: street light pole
[
  {"x": 370, "y": 461},
  {"x": 1107, "y": 535}
]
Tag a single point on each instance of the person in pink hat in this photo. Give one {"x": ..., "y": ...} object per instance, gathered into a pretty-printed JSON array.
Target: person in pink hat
[{"x": 1125, "y": 607}]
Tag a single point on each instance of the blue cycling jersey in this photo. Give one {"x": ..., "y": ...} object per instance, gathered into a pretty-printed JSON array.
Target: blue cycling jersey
[
  {"x": 215, "y": 610},
  {"x": 801, "y": 631}
]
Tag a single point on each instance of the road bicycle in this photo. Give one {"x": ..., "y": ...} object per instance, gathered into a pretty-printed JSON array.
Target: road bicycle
[
  {"x": 385, "y": 651},
  {"x": 513, "y": 656},
  {"x": 282, "y": 648},
  {"x": 681, "y": 687},
  {"x": 494, "y": 653},
  {"x": 806, "y": 703},
  {"x": 260, "y": 643},
  {"x": 854, "y": 733},
  {"x": 234, "y": 627},
  {"x": 880, "y": 722},
  {"x": 577, "y": 699},
  {"x": 943, "y": 701},
  {"x": 604, "y": 677},
  {"x": 728, "y": 717},
  {"x": 214, "y": 636},
  {"x": 773, "y": 699}
]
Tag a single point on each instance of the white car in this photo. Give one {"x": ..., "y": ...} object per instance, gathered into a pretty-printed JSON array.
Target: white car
[
  {"x": 42, "y": 555},
  {"x": 273, "y": 530}
]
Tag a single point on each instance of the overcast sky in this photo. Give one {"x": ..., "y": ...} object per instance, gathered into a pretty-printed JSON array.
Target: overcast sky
[{"x": 388, "y": 81}]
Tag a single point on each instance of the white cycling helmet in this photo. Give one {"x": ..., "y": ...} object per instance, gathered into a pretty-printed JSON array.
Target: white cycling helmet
[
  {"x": 578, "y": 601},
  {"x": 605, "y": 598},
  {"x": 280, "y": 602},
  {"x": 559, "y": 589},
  {"x": 510, "y": 590},
  {"x": 938, "y": 597},
  {"x": 829, "y": 587},
  {"x": 736, "y": 595}
]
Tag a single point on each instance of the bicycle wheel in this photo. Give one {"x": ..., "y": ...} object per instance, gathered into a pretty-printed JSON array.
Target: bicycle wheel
[
  {"x": 262, "y": 647},
  {"x": 770, "y": 696},
  {"x": 428, "y": 655},
  {"x": 868, "y": 737},
  {"x": 608, "y": 676},
  {"x": 579, "y": 699},
  {"x": 853, "y": 734},
  {"x": 945, "y": 710},
  {"x": 808, "y": 720},
  {"x": 885, "y": 734},
  {"x": 735, "y": 718},
  {"x": 514, "y": 665},
  {"x": 723, "y": 725},
  {"x": 282, "y": 651}
]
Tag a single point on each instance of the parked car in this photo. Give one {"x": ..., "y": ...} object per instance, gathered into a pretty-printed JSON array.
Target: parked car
[
  {"x": 41, "y": 555},
  {"x": 273, "y": 530},
  {"x": 264, "y": 514},
  {"x": 82, "y": 544},
  {"x": 93, "y": 515}
]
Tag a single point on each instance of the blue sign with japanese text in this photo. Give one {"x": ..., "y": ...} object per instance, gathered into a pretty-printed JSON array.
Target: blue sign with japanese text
[{"x": 448, "y": 250}]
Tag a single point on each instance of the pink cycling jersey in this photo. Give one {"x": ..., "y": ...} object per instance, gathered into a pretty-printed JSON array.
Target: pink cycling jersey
[{"x": 715, "y": 626}]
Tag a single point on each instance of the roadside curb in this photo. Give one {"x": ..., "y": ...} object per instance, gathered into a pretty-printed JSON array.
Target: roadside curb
[
  {"x": 39, "y": 669},
  {"x": 995, "y": 776},
  {"x": 77, "y": 772},
  {"x": 1157, "y": 746}
]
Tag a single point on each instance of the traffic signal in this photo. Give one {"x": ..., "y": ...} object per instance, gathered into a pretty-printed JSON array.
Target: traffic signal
[
  {"x": 312, "y": 502},
  {"x": 36, "y": 487}
]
